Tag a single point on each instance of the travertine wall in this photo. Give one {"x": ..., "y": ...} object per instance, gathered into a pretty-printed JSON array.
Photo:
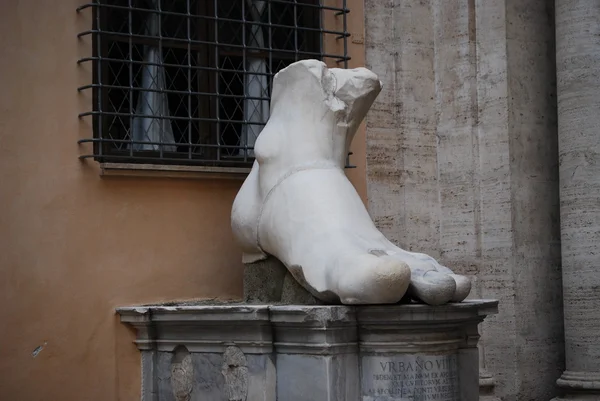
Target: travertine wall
[{"x": 462, "y": 164}]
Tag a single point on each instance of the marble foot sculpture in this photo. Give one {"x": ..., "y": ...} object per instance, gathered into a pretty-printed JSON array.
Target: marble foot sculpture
[{"x": 298, "y": 206}]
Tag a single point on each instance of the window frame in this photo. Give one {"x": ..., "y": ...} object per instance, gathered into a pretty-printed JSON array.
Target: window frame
[{"x": 332, "y": 35}]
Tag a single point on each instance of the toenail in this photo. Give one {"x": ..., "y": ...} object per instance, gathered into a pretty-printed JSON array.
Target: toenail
[{"x": 429, "y": 271}]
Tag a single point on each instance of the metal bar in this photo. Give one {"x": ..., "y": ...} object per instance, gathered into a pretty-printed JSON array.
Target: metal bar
[
  {"x": 99, "y": 77},
  {"x": 116, "y": 7},
  {"x": 321, "y": 36},
  {"x": 131, "y": 110},
  {"x": 217, "y": 64},
  {"x": 147, "y": 159},
  {"x": 174, "y": 41},
  {"x": 117, "y": 114},
  {"x": 345, "y": 40},
  {"x": 189, "y": 76},
  {"x": 279, "y": 53},
  {"x": 269, "y": 20},
  {"x": 161, "y": 57},
  {"x": 203, "y": 68},
  {"x": 126, "y": 141},
  {"x": 262, "y": 24},
  {"x": 171, "y": 91},
  {"x": 244, "y": 127},
  {"x": 295, "y": 30}
]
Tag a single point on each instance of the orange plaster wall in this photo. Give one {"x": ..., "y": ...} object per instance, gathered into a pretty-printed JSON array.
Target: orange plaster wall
[{"x": 73, "y": 245}]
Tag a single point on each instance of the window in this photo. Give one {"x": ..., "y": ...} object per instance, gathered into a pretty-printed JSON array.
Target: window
[{"x": 188, "y": 81}]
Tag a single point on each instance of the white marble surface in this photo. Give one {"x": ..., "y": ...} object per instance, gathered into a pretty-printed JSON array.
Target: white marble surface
[{"x": 298, "y": 205}]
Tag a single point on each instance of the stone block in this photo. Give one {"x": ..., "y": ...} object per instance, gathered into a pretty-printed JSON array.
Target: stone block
[
  {"x": 317, "y": 377},
  {"x": 316, "y": 352},
  {"x": 268, "y": 281},
  {"x": 263, "y": 281}
]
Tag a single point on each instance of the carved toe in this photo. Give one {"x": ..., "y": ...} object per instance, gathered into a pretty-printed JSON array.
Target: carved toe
[
  {"x": 433, "y": 287},
  {"x": 374, "y": 280},
  {"x": 463, "y": 287}
]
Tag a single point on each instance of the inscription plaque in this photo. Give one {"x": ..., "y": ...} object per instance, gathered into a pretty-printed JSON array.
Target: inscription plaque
[{"x": 403, "y": 377}]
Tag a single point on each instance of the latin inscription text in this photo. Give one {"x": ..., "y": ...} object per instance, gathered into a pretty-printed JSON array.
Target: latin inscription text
[{"x": 411, "y": 377}]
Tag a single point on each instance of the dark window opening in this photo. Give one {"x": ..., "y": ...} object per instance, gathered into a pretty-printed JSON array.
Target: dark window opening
[{"x": 189, "y": 81}]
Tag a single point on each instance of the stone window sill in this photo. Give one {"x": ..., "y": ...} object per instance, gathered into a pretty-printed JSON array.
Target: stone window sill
[{"x": 171, "y": 171}]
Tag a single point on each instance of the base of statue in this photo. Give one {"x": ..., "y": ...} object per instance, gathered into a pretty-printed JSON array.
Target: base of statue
[{"x": 239, "y": 352}]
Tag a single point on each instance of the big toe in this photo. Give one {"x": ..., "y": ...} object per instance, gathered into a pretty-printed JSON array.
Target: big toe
[
  {"x": 433, "y": 287},
  {"x": 374, "y": 280}
]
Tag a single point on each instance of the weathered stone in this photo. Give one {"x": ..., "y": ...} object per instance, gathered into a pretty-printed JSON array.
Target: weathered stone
[
  {"x": 316, "y": 352},
  {"x": 421, "y": 352},
  {"x": 218, "y": 325},
  {"x": 182, "y": 374},
  {"x": 308, "y": 352},
  {"x": 268, "y": 281},
  {"x": 235, "y": 371},
  {"x": 416, "y": 376},
  {"x": 253, "y": 381},
  {"x": 263, "y": 281},
  {"x": 317, "y": 377},
  {"x": 308, "y": 329},
  {"x": 204, "y": 352}
]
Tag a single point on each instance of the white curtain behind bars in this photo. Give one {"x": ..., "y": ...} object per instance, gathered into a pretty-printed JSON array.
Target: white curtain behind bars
[
  {"x": 152, "y": 102},
  {"x": 255, "y": 85}
]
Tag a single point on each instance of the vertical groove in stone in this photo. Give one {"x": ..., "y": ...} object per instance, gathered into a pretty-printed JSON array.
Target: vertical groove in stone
[
  {"x": 401, "y": 141},
  {"x": 533, "y": 143},
  {"x": 384, "y": 142},
  {"x": 578, "y": 82},
  {"x": 455, "y": 79},
  {"x": 495, "y": 275}
]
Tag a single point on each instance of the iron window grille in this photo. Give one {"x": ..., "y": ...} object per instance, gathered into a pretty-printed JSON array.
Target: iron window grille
[{"x": 188, "y": 81}]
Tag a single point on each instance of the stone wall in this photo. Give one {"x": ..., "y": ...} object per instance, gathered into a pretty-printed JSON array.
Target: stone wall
[{"x": 462, "y": 164}]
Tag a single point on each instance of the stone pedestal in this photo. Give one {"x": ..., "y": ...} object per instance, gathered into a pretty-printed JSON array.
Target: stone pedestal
[{"x": 245, "y": 352}]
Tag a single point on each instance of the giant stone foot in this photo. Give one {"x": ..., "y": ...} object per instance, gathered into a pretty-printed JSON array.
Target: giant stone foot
[{"x": 298, "y": 206}]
